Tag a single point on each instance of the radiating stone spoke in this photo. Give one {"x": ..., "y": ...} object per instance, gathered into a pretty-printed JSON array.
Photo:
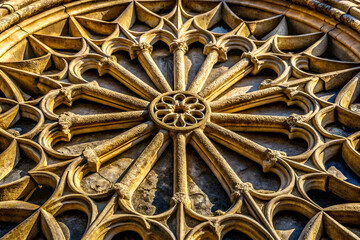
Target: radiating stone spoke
[
  {"x": 180, "y": 170},
  {"x": 179, "y": 49},
  {"x": 98, "y": 155},
  {"x": 69, "y": 121},
  {"x": 242, "y": 102},
  {"x": 215, "y": 161},
  {"x": 204, "y": 72},
  {"x": 143, "y": 164},
  {"x": 106, "y": 124},
  {"x": 236, "y": 142},
  {"x": 226, "y": 80},
  {"x": 127, "y": 78},
  {"x": 248, "y": 122},
  {"x": 105, "y": 95},
  {"x": 153, "y": 70},
  {"x": 181, "y": 196}
]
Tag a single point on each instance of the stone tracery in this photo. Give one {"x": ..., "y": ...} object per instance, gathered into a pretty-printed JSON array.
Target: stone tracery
[{"x": 158, "y": 116}]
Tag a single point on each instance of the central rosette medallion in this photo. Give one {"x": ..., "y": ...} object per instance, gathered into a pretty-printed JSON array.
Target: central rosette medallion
[{"x": 179, "y": 111}]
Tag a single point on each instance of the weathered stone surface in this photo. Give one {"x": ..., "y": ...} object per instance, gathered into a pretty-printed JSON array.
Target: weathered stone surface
[{"x": 179, "y": 119}]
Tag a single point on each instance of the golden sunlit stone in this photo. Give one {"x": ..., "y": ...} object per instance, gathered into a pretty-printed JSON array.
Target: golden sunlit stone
[{"x": 182, "y": 119}]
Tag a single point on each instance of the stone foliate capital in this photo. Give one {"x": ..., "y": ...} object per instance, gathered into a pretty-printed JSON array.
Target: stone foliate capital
[
  {"x": 66, "y": 94},
  {"x": 240, "y": 189},
  {"x": 92, "y": 159},
  {"x": 180, "y": 198},
  {"x": 65, "y": 122},
  {"x": 294, "y": 118},
  {"x": 136, "y": 48},
  {"x": 220, "y": 50},
  {"x": 104, "y": 64},
  {"x": 178, "y": 45},
  {"x": 122, "y": 190},
  {"x": 271, "y": 157}
]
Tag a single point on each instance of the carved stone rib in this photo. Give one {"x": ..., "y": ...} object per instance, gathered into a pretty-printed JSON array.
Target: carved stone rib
[
  {"x": 109, "y": 65},
  {"x": 244, "y": 122},
  {"x": 153, "y": 71},
  {"x": 236, "y": 142},
  {"x": 112, "y": 147},
  {"x": 241, "y": 102},
  {"x": 215, "y": 161},
  {"x": 204, "y": 71},
  {"x": 143, "y": 164},
  {"x": 226, "y": 80}
]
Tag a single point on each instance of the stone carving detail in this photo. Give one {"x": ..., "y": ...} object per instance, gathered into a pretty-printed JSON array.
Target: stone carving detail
[
  {"x": 179, "y": 120},
  {"x": 179, "y": 110}
]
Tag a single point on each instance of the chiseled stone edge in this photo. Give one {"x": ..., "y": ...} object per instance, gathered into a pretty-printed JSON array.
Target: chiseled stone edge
[
  {"x": 15, "y": 11},
  {"x": 347, "y": 12}
]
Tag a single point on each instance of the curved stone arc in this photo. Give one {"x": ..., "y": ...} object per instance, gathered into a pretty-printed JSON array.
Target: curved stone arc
[
  {"x": 117, "y": 44},
  {"x": 326, "y": 182},
  {"x": 111, "y": 66},
  {"x": 24, "y": 185},
  {"x": 35, "y": 65},
  {"x": 326, "y": 152},
  {"x": 153, "y": 36},
  {"x": 8, "y": 157},
  {"x": 289, "y": 43},
  {"x": 69, "y": 202},
  {"x": 225, "y": 224},
  {"x": 78, "y": 170},
  {"x": 350, "y": 153},
  {"x": 234, "y": 208},
  {"x": 9, "y": 88},
  {"x": 287, "y": 181},
  {"x": 35, "y": 84},
  {"x": 277, "y": 65},
  {"x": 290, "y": 203},
  {"x": 148, "y": 229},
  {"x": 308, "y": 133},
  {"x": 49, "y": 179},
  {"x": 161, "y": 217},
  {"x": 91, "y": 92},
  {"x": 26, "y": 214},
  {"x": 349, "y": 93},
  {"x": 96, "y": 26},
  {"x": 333, "y": 114},
  {"x": 48, "y": 43},
  {"x": 319, "y": 65},
  {"x": 336, "y": 230},
  {"x": 80, "y": 65},
  {"x": 298, "y": 127},
  {"x": 328, "y": 81},
  {"x": 35, "y": 114}
]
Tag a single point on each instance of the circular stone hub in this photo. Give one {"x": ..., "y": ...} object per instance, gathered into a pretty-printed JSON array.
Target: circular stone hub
[{"x": 179, "y": 111}]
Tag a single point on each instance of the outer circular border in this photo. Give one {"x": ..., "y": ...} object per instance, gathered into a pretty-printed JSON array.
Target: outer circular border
[{"x": 179, "y": 129}]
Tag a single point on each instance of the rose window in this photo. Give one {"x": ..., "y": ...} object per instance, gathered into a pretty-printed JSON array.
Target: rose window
[
  {"x": 179, "y": 120},
  {"x": 179, "y": 111}
]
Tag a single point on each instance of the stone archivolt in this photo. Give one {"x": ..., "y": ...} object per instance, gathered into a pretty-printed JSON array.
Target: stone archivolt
[{"x": 185, "y": 143}]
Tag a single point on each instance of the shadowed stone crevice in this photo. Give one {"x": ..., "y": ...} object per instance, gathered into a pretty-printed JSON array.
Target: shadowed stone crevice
[{"x": 179, "y": 119}]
